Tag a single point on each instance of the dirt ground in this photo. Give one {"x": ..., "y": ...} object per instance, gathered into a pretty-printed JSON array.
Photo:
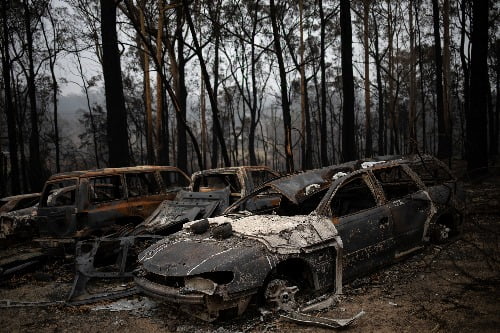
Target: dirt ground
[{"x": 447, "y": 288}]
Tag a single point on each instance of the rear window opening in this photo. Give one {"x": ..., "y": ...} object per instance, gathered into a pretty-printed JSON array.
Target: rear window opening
[
  {"x": 395, "y": 182},
  {"x": 207, "y": 183}
]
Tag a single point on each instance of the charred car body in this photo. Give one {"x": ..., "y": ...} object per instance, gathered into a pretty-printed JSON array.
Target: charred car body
[
  {"x": 91, "y": 203},
  {"x": 17, "y": 214},
  {"x": 316, "y": 230},
  {"x": 211, "y": 192},
  {"x": 83, "y": 204}
]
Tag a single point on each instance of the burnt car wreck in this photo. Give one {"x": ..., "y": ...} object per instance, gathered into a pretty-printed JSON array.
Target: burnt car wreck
[
  {"x": 310, "y": 231},
  {"x": 17, "y": 215},
  {"x": 84, "y": 204},
  {"x": 115, "y": 255}
]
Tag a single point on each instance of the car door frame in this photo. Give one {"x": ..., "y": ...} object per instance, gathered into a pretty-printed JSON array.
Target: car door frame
[
  {"x": 359, "y": 259},
  {"x": 410, "y": 214}
]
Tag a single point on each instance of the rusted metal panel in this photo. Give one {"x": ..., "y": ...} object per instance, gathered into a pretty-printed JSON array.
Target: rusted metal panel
[{"x": 98, "y": 202}]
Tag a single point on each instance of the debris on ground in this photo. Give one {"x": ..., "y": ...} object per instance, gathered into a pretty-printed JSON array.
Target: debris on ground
[{"x": 305, "y": 319}]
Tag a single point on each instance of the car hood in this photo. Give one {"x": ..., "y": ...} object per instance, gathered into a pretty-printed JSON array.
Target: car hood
[
  {"x": 260, "y": 237},
  {"x": 191, "y": 257},
  {"x": 283, "y": 234}
]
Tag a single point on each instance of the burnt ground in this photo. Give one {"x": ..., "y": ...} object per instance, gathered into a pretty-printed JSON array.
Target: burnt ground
[{"x": 445, "y": 288}]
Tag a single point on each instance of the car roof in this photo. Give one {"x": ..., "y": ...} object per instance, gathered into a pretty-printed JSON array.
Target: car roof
[
  {"x": 105, "y": 171},
  {"x": 293, "y": 186},
  {"x": 233, "y": 170}
]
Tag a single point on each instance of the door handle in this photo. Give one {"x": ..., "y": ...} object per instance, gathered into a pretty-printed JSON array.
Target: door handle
[{"x": 140, "y": 207}]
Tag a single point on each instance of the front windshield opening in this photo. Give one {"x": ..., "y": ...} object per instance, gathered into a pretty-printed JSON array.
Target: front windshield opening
[
  {"x": 61, "y": 193},
  {"x": 269, "y": 201},
  {"x": 207, "y": 183}
]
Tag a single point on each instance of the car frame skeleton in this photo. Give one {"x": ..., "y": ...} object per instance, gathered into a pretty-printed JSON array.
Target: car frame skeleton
[
  {"x": 316, "y": 229},
  {"x": 114, "y": 256}
]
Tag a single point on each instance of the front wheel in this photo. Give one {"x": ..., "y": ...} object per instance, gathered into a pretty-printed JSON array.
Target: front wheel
[{"x": 280, "y": 294}]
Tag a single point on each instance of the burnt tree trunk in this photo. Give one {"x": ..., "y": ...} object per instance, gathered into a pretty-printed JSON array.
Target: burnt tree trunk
[
  {"x": 443, "y": 140},
  {"x": 421, "y": 70},
  {"x": 348, "y": 142},
  {"x": 494, "y": 149},
  {"x": 381, "y": 142},
  {"x": 412, "y": 123},
  {"x": 368, "y": 122},
  {"x": 35, "y": 163},
  {"x": 10, "y": 111},
  {"x": 253, "y": 107},
  {"x": 287, "y": 119},
  {"x": 477, "y": 140},
  {"x": 211, "y": 92},
  {"x": 181, "y": 92},
  {"x": 304, "y": 101},
  {"x": 322, "y": 65},
  {"x": 119, "y": 155}
]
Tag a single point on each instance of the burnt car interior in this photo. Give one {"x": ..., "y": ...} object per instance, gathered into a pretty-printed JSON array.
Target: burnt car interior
[
  {"x": 207, "y": 183},
  {"x": 395, "y": 182},
  {"x": 352, "y": 197},
  {"x": 60, "y": 193},
  {"x": 103, "y": 189},
  {"x": 141, "y": 184}
]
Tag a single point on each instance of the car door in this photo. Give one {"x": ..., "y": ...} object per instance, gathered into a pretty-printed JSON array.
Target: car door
[
  {"x": 56, "y": 213},
  {"x": 409, "y": 205},
  {"x": 107, "y": 203},
  {"x": 364, "y": 224},
  {"x": 143, "y": 192}
]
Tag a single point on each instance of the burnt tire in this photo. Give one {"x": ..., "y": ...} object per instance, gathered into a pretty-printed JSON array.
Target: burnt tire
[{"x": 280, "y": 295}]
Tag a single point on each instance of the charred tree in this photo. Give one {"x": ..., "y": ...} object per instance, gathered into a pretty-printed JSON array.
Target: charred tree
[
  {"x": 381, "y": 142},
  {"x": 161, "y": 130},
  {"x": 464, "y": 19},
  {"x": 306, "y": 145},
  {"x": 287, "y": 119},
  {"x": 181, "y": 91},
  {"x": 119, "y": 155},
  {"x": 211, "y": 92},
  {"x": 322, "y": 65},
  {"x": 368, "y": 122},
  {"x": 477, "y": 140},
  {"x": 10, "y": 111},
  {"x": 421, "y": 70},
  {"x": 447, "y": 81},
  {"x": 35, "y": 163},
  {"x": 494, "y": 148},
  {"x": 52, "y": 56},
  {"x": 412, "y": 123},
  {"x": 147, "y": 86},
  {"x": 348, "y": 138},
  {"x": 443, "y": 140}
]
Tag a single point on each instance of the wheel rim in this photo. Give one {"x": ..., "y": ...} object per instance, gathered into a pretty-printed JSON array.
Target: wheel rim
[{"x": 280, "y": 295}]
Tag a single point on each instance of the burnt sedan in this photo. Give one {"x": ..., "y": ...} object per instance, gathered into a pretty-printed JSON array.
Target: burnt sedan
[{"x": 317, "y": 230}]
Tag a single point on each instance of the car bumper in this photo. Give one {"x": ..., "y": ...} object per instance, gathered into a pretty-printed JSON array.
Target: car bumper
[
  {"x": 168, "y": 294},
  {"x": 200, "y": 305}
]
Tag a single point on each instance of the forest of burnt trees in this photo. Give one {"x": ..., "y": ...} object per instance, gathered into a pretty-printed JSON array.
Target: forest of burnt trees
[{"x": 200, "y": 84}]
